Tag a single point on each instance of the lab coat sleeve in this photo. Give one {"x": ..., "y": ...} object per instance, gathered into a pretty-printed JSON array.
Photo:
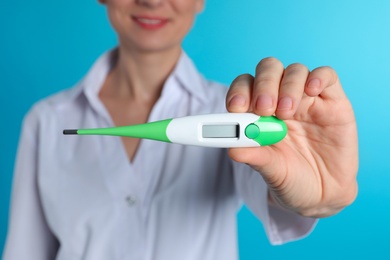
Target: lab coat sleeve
[
  {"x": 29, "y": 236},
  {"x": 281, "y": 225}
]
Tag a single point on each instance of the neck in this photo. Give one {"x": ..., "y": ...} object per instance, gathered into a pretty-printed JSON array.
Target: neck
[{"x": 140, "y": 75}]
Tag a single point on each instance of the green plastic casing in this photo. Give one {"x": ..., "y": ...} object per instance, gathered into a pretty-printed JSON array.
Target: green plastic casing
[
  {"x": 153, "y": 131},
  {"x": 267, "y": 130}
]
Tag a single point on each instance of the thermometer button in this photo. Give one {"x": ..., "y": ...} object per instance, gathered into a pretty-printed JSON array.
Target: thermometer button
[{"x": 252, "y": 131}]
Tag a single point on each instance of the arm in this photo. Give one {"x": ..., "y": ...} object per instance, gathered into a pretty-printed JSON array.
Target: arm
[
  {"x": 29, "y": 236},
  {"x": 281, "y": 225},
  {"x": 312, "y": 172}
]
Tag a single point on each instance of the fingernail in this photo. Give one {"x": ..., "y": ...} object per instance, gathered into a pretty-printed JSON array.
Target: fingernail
[
  {"x": 285, "y": 103},
  {"x": 237, "y": 101},
  {"x": 314, "y": 83},
  {"x": 264, "y": 102}
]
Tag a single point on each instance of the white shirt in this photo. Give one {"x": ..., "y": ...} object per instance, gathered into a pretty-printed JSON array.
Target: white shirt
[{"x": 79, "y": 197}]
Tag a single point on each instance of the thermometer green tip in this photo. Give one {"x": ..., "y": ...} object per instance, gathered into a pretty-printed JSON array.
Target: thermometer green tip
[{"x": 153, "y": 131}]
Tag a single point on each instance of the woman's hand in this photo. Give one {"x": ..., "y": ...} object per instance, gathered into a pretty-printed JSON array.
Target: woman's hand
[{"x": 313, "y": 170}]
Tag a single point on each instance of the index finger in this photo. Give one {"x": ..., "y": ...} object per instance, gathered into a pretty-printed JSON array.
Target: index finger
[{"x": 239, "y": 94}]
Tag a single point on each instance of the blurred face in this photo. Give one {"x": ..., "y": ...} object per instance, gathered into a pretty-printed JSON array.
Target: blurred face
[{"x": 152, "y": 25}]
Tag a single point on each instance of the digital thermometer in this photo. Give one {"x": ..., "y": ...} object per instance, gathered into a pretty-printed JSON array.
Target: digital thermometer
[{"x": 213, "y": 130}]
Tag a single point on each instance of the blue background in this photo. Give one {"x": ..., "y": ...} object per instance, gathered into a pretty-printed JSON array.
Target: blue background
[{"x": 46, "y": 46}]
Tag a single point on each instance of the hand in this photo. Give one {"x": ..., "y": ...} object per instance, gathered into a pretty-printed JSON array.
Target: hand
[{"x": 313, "y": 170}]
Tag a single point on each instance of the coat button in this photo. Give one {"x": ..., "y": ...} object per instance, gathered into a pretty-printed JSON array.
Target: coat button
[{"x": 130, "y": 200}]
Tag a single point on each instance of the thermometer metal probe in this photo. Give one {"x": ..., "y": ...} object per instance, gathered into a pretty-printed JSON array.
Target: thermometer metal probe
[{"x": 214, "y": 130}]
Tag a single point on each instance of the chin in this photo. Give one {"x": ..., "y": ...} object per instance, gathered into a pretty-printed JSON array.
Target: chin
[{"x": 153, "y": 46}]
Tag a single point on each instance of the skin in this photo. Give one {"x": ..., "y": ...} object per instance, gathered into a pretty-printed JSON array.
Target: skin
[
  {"x": 146, "y": 58},
  {"x": 311, "y": 172}
]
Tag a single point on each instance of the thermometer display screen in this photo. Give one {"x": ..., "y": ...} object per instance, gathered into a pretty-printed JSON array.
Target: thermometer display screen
[{"x": 220, "y": 131}]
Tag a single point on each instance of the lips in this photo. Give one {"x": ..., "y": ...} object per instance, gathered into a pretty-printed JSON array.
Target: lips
[{"x": 150, "y": 23}]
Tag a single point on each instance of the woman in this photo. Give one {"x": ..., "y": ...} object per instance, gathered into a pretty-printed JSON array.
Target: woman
[{"x": 118, "y": 198}]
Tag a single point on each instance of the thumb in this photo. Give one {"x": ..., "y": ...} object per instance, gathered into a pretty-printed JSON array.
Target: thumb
[
  {"x": 265, "y": 160},
  {"x": 261, "y": 159}
]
